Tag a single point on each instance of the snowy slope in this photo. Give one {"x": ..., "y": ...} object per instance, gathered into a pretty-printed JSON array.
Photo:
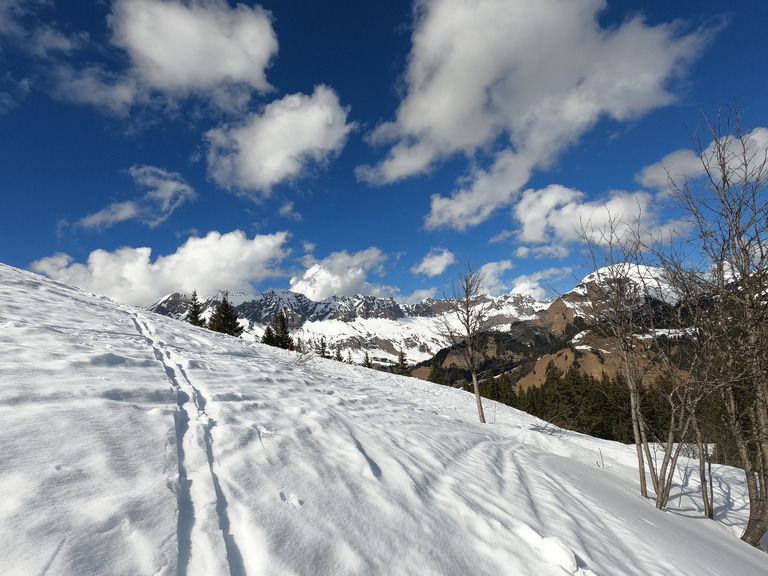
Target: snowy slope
[{"x": 137, "y": 444}]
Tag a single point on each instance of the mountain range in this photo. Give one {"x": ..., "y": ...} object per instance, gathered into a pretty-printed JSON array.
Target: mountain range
[{"x": 358, "y": 324}]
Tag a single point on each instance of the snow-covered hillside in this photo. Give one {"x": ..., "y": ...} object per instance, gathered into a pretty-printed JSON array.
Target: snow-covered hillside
[
  {"x": 357, "y": 324},
  {"x": 136, "y": 444}
]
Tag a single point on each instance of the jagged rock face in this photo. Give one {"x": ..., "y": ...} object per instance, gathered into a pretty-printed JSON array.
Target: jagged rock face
[
  {"x": 173, "y": 305},
  {"x": 382, "y": 327},
  {"x": 359, "y": 324}
]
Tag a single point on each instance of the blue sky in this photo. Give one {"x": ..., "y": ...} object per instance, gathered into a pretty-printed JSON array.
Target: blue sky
[{"x": 336, "y": 147}]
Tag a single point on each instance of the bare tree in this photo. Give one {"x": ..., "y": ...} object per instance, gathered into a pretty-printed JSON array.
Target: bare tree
[
  {"x": 726, "y": 266},
  {"x": 467, "y": 317},
  {"x": 628, "y": 303}
]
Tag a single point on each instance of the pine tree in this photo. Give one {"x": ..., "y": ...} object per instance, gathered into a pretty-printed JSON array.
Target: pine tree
[
  {"x": 282, "y": 336},
  {"x": 402, "y": 365},
  {"x": 367, "y": 361},
  {"x": 322, "y": 348},
  {"x": 435, "y": 372},
  {"x": 337, "y": 355},
  {"x": 224, "y": 319},
  {"x": 276, "y": 333},
  {"x": 269, "y": 336},
  {"x": 194, "y": 311}
]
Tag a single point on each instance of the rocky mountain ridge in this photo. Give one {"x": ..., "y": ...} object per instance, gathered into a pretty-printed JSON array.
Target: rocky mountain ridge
[
  {"x": 382, "y": 327},
  {"x": 360, "y": 323}
]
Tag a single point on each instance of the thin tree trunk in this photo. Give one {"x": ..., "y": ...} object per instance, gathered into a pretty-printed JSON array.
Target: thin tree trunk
[
  {"x": 704, "y": 459},
  {"x": 478, "y": 398},
  {"x": 757, "y": 524},
  {"x": 634, "y": 414}
]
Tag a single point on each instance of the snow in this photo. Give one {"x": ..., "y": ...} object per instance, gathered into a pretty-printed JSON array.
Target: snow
[
  {"x": 138, "y": 444},
  {"x": 652, "y": 280}
]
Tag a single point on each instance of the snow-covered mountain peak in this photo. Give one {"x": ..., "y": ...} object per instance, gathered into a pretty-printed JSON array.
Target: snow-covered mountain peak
[{"x": 361, "y": 323}]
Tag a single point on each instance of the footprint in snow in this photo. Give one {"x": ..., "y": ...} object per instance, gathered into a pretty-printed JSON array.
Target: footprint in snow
[{"x": 291, "y": 499}]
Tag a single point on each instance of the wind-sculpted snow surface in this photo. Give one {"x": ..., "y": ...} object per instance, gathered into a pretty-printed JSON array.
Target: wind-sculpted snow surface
[{"x": 137, "y": 444}]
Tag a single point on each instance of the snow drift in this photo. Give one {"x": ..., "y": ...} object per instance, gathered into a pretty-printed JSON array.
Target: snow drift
[{"x": 137, "y": 444}]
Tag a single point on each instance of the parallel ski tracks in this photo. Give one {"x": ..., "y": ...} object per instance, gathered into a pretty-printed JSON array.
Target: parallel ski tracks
[{"x": 198, "y": 483}]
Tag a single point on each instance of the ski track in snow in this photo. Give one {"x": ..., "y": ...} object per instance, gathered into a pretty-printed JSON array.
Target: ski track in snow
[{"x": 203, "y": 423}]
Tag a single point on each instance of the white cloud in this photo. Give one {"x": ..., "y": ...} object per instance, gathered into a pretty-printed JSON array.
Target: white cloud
[
  {"x": 11, "y": 11},
  {"x": 683, "y": 165},
  {"x": 278, "y": 144},
  {"x": 435, "y": 262},
  {"x": 16, "y": 18},
  {"x": 92, "y": 85},
  {"x": 492, "y": 273},
  {"x": 536, "y": 74},
  {"x": 552, "y": 218},
  {"x": 341, "y": 274},
  {"x": 46, "y": 39},
  {"x": 287, "y": 211},
  {"x": 538, "y": 284},
  {"x": 165, "y": 191},
  {"x": 109, "y": 216},
  {"x": 12, "y": 92},
  {"x": 175, "y": 48},
  {"x": 417, "y": 296},
  {"x": 216, "y": 262}
]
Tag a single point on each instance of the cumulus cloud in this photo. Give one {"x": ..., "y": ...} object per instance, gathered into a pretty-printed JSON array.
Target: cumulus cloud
[
  {"x": 435, "y": 262},
  {"x": 552, "y": 218},
  {"x": 278, "y": 144},
  {"x": 165, "y": 191},
  {"x": 478, "y": 74},
  {"x": 492, "y": 273},
  {"x": 215, "y": 262},
  {"x": 417, "y": 296},
  {"x": 175, "y": 48},
  {"x": 683, "y": 165},
  {"x": 538, "y": 284},
  {"x": 341, "y": 274}
]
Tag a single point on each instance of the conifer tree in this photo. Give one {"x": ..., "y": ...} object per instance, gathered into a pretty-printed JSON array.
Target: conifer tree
[
  {"x": 402, "y": 365},
  {"x": 367, "y": 361},
  {"x": 224, "y": 319},
  {"x": 337, "y": 355},
  {"x": 269, "y": 336},
  {"x": 194, "y": 311},
  {"x": 322, "y": 348},
  {"x": 435, "y": 372},
  {"x": 276, "y": 333},
  {"x": 282, "y": 336}
]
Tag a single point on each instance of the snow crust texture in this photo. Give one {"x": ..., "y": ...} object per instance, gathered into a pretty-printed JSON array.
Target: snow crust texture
[{"x": 137, "y": 444}]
